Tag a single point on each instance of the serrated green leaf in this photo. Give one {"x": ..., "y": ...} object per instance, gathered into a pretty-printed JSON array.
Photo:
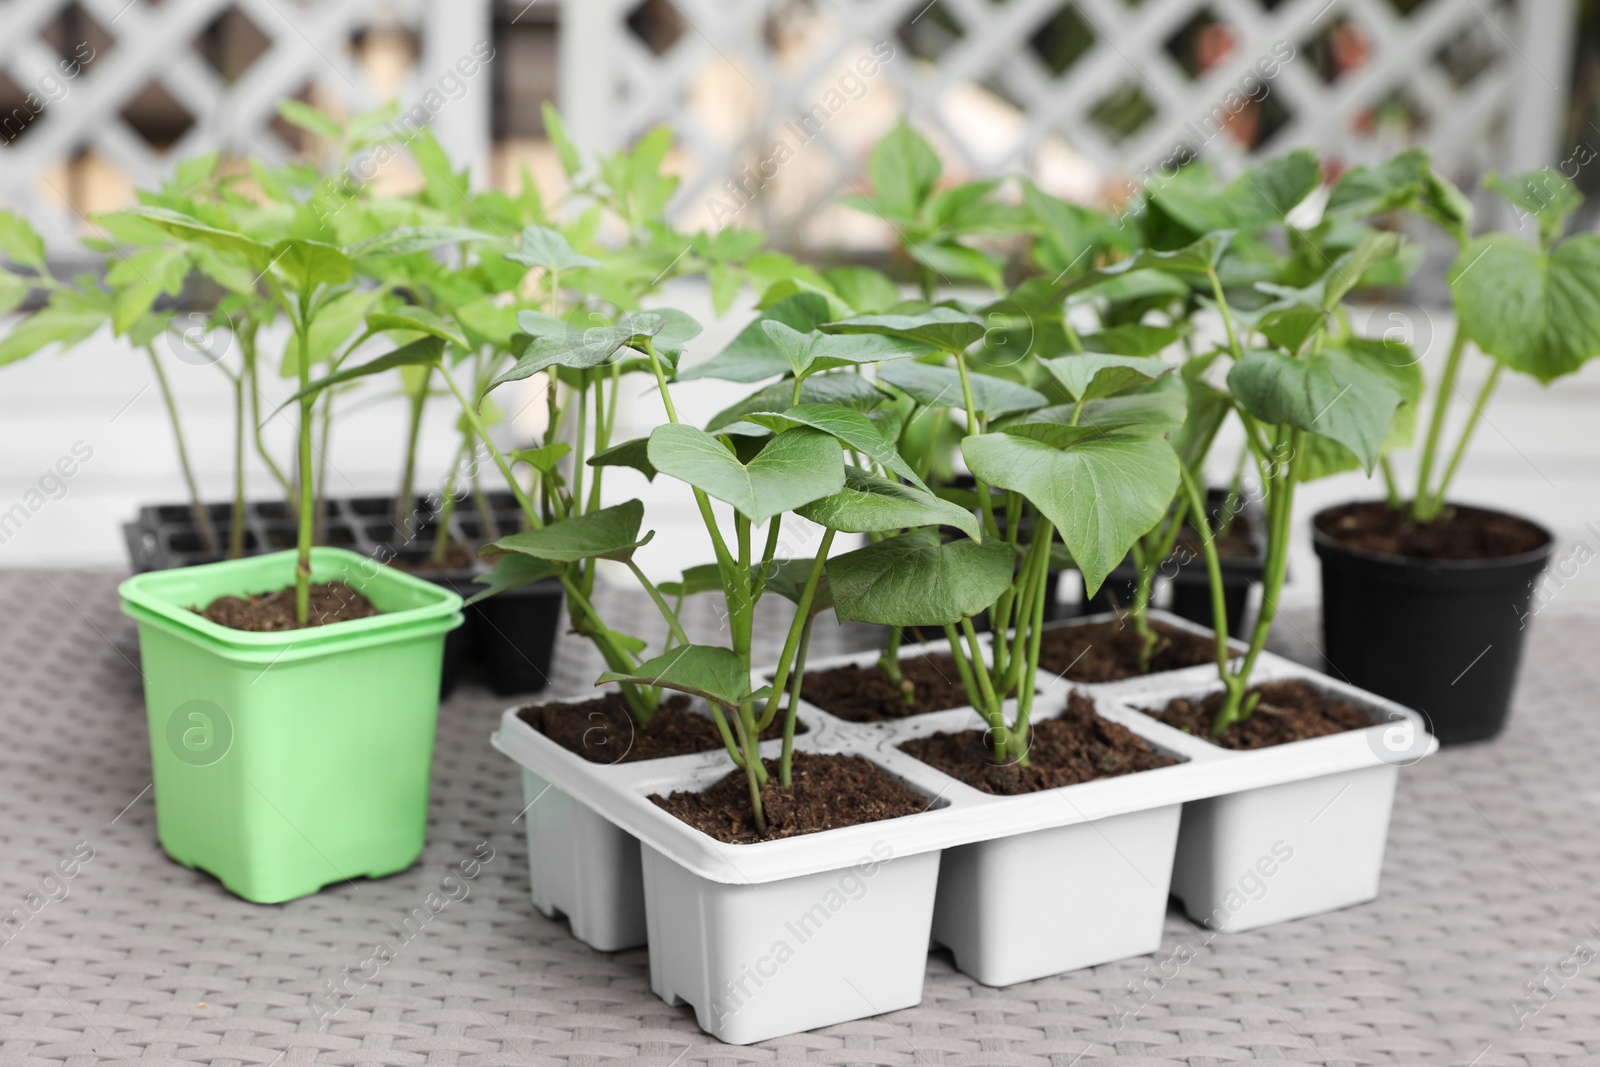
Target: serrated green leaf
[
  {"x": 13, "y": 291},
  {"x": 20, "y": 242},
  {"x": 543, "y": 247},
  {"x": 307, "y": 264},
  {"x": 408, "y": 240},
  {"x": 903, "y": 169},
  {"x": 63, "y": 324},
  {"x": 187, "y": 228},
  {"x": 915, "y": 580}
]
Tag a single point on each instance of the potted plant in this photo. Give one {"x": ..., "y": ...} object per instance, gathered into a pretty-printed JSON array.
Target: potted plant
[
  {"x": 1446, "y": 583},
  {"x": 1310, "y": 392},
  {"x": 246, "y": 660}
]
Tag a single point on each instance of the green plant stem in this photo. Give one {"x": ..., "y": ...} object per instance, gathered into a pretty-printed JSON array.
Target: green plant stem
[
  {"x": 1227, "y": 317},
  {"x": 974, "y": 426},
  {"x": 791, "y": 661},
  {"x": 991, "y": 710},
  {"x": 577, "y": 452},
  {"x": 1436, "y": 500},
  {"x": 786, "y": 760},
  {"x": 319, "y": 528},
  {"x": 302, "y": 571},
  {"x": 405, "y": 499},
  {"x": 236, "y": 526},
  {"x": 1391, "y": 488},
  {"x": 1208, "y": 547},
  {"x": 1441, "y": 409},
  {"x": 1018, "y": 741},
  {"x": 447, "y": 507},
  {"x": 655, "y": 595},
  {"x": 482, "y": 432},
  {"x": 755, "y": 773},
  {"x": 247, "y": 347},
  {"x": 208, "y": 535}
]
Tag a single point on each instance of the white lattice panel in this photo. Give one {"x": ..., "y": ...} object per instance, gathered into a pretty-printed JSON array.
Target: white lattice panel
[
  {"x": 145, "y": 45},
  {"x": 1365, "y": 79}
]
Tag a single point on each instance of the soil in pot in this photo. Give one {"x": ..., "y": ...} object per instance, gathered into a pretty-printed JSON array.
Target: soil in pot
[
  {"x": 827, "y": 792},
  {"x": 1237, "y": 542},
  {"x": 1462, "y": 533},
  {"x": 272, "y": 612},
  {"x": 459, "y": 556},
  {"x": 1109, "y": 651},
  {"x": 600, "y": 729},
  {"x": 863, "y": 694},
  {"x": 1287, "y": 711},
  {"x": 1076, "y": 746}
]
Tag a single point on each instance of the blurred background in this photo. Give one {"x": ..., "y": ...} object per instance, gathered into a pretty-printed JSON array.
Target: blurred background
[{"x": 773, "y": 115}]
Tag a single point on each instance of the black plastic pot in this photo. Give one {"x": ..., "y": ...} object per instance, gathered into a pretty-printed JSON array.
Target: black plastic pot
[
  {"x": 1441, "y": 636},
  {"x": 510, "y": 637}
]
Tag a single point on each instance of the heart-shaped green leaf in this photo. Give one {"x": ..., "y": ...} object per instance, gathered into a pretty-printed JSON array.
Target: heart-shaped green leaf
[
  {"x": 706, "y": 671},
  {"x": 752, "y": 355},
  {"x": 852, "y": 428},
  {"x": 941, "y": 387},
  {"x": 1195, "y": 261},
  {"x": 1134, "y": 339},
  {"x": 543, "y": 247},
  {"x": 513, "y": 571},
  {"x": 1537, "y": 312},
  {"x": 870, "y": 504},
  {"x": 850, "y": 390},
  {"x": 793, "y": 468},
  {"x": 943, "y": 328},
  {"x": 634, "y": 453},
  {"x": 1092, "y": 375},
  {"x": 1102, "y": 491},
  {"x": 796, "y": 346},
  {"x": 610, "y": 533},
  {"x": 1326, "y": 393},
  {"x": 914, "y": 580},
  {"x": 1156, "y": 409},
  {"x": 579, "y": 351}
]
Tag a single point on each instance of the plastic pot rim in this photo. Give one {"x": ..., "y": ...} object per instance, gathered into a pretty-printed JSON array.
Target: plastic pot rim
[{"x": 150, "y": 599}]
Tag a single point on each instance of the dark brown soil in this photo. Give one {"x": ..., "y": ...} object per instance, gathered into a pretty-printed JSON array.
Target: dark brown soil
[
  {"x": 272, "y": 612},
  {"x": 863, "y": 694},
  {"x": 1461, "y": 533},
  {"x": 1287, "y": 711},
  {"x": 603, "y": 731},
  {"x": 1109, "y": 651},
  {"x": 1078, "y": 746},
  {"x": 828, "y": 791},
  {"x": 459, "y": 556}
]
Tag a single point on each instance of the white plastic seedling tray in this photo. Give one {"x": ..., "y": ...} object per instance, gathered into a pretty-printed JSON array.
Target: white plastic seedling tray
[{"x": 1240, "y": 812}]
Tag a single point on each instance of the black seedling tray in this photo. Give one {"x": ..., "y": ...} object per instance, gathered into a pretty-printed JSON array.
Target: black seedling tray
[{"x": 510, "y": 637}]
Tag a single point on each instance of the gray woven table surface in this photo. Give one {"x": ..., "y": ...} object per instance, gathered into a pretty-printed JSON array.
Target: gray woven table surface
[{"x": 1489, "y": 883}]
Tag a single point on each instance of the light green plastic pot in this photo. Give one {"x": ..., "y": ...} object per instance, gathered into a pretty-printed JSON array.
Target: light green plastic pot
[{"x": 287, "y": 761}]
